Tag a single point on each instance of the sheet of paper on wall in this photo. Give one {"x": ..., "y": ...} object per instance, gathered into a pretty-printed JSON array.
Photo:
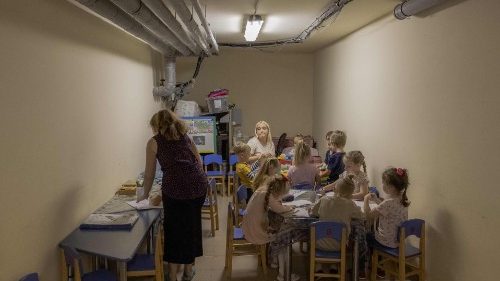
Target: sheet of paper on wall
[{"x": 143, "y": 205}]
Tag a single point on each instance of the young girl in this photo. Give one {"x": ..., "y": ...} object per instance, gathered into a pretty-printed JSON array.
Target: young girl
[
  {"x": 392, "y": 211},
  {"x": 302, "y": 171},
  {"x": 353, "y": 160},
  {"x": 270, "y": 166},
  {"x": 256, "y": 222}
]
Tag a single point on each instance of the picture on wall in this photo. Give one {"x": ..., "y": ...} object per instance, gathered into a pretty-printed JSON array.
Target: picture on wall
[{"x": 202, "y": 131}]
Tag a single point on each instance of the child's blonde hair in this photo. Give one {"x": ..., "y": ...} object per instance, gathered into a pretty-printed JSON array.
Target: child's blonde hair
[
  {"x": 298, "y": 138},
  {"x": 264, "y": 123},
  {"x": 276, "y": 187},
  {"x": 398, "y": 177},
  {"x": 262, "y": 175},
  {"x": 302, "y": 153},
  {"x": 345, "y": 186},
  {"x": 328, "y": 135},
  {"x": 241, "y": 147},
  {"x": 338, "y": 139},
  {"x": 356, "y": 157}
]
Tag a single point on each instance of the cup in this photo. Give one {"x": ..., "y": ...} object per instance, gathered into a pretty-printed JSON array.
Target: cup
[{"x": 139, "y": 192}]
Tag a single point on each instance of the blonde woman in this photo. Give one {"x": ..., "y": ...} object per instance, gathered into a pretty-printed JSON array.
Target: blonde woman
[
  {"x": 184, "y": 187},
  {"x": 262, "y": 144}
]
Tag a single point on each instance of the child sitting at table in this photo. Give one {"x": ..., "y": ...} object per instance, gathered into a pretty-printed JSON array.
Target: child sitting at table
[
  {"x": 256, "y": 225},
  {"x": 246, "y": 172},
  {"x": 392, "y": 211},
  {"x": 270, "y": 166},
  {"x": 302, "y": 171},
  {"x": 340, "y": 208},
  {"x": 353, "y": 161},
  {"x": 334, "y": 163}
]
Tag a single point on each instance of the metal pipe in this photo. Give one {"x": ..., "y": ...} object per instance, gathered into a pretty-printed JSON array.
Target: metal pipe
[
  {"x": 412, "y": 7},
  {"x": 109, "y": 11},
  {"x": 213, "y": 44},
  {"x": 164, "y": 14},
  {"x": 143, "y": 15},
  {"x": 186, "y": 17},
  {"x": 170, "y": 73}
]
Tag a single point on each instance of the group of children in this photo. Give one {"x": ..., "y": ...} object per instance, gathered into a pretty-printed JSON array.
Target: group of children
[{"x": 346, "y": 176}]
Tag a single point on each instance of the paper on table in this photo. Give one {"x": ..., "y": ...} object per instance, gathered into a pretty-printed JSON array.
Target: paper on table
[
  {"x": 296, "y": 193},
  {"x": 143, "y": 205},
  {"x": 360, "y": 204},
  {"x": 298, "y": 203},
  {"x": 300, "y": 212}
]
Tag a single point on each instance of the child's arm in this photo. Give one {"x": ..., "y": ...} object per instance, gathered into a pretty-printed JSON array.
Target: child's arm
[
  {"x": 315, "y": 209},
  {"x": 276, "y": 206},
  {"x": 363, "y": 190},
  {"x": 317, "y": 179},
  {"x": 369, "y": 213},
  {"x": 329, "y": 187}
]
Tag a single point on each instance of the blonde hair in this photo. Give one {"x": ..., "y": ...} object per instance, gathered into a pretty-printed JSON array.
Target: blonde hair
[
  {"x": 302, "y": 153},
  {"x": 241, "y": 147},
  {"x": 153, "y": 122},
  {"x": 264, "y": 123},
  {"x": 328, "y": 135},
  {"x": 298, "y": 138},
  {"x": 356, "y": 157},
  {"x": 170, "y": 126},
  {"x": 338, "y": 138},
  {"x": 262, "y": 175},
  {"x": 345, "y": 186}
]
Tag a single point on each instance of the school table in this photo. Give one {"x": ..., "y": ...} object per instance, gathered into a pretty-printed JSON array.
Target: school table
[{"x": 118, "y": 245}]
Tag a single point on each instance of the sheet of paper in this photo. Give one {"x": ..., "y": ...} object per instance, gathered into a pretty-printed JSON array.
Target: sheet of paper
[
  {"x": 298, "y": 203},
  {"x": 143, "y": 205},
  {"x": 300, "y": 212},
  {"x": 360, "y": 204}
]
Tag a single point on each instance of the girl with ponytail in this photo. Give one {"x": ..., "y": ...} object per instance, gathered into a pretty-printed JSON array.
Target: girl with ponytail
[
  {"x": 392, "y": 211},
  {"x": 302, "y": 171},
  {"x": 256, "y": 224}
]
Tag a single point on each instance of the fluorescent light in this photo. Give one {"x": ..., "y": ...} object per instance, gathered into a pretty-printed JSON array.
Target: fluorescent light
[{"x": 254, "y": 23}]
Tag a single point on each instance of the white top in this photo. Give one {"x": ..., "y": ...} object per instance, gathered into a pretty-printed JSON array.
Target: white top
[
  {"x": 392, "y": 214},
  {"x": 257, "y": 147}
]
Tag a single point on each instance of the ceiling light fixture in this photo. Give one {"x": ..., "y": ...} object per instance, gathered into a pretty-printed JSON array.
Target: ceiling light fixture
[{"x": 254, "y": 23}]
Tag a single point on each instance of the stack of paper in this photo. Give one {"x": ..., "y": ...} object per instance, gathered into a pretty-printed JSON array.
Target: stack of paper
[
  {"x": 143, "y": 205},
  {"x": 110, "y": 221}
]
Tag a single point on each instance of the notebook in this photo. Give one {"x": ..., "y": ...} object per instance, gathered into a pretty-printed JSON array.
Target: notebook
[{"x": 110, "y": 221}]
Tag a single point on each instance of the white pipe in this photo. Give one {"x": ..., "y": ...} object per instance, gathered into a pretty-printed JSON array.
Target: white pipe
[
  {"x": 186, "y": 17},
  {"x": 213, "y": 46},
  {"x": 170, "y": 73},
  {"x": 412, "y": 7},
  {"x": 143, "y": 15},
  {"x": 109, "y": 11},
  {"x": 164, "y": 14}
]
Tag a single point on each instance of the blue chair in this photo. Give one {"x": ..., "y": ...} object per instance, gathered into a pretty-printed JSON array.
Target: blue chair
[
  {"x": 400, "y": 255},
  {"x": 219, "y": 174},
  {"x": 149, "y": 264},
  {"x": 373, "y": 189},
  {"x": 210, "y": 208},
  {"x": 30, "y": 277},
  {"x": 231, "y": 174},
  {"x": 237, "y": 245},
  {"x": 333, "y": 230},
  {"x": 239, "y": 196},
  {"x": 72, "y": 259}
]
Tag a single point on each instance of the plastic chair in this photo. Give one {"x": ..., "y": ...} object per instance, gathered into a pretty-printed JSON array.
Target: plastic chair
[
  {"x": 149, "y": 264},
  {"x": 333, "y": 230},
  {"x": 281, "y": 144},
  {"x": 238, "y": 196},
  {"x": 401, "y": 255},
  {"x": 231, "y": 174},
  {"x": 373, "y": 189},
  {"x": 215, "y": 159},
  {"x": 210, "y": 208},
  {"x": 30, "y": 277},
  {"x": 70, "y": 258},
  {"x": 236, "y": 245}
]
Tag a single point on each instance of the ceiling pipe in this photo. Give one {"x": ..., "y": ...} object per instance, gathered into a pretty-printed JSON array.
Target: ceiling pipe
[
  {"x": 412, "y": 7},
  {"x": 114, "y": 14},
  {"x": 187, "y": 18},
  {"x": 144, "y": 16},
  {"x": 213, "y": 44},
  {"x": 164, "y": 14}
]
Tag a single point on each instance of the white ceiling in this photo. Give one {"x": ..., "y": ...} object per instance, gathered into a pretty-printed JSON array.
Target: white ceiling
[{"x": 288, "y": 18}]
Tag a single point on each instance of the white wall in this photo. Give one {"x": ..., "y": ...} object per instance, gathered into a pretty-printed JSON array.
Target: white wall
[
  {"x": 423, "y": 94},
  {"x": 75, "y": 102},
  {"x": 275, "y": 87}
]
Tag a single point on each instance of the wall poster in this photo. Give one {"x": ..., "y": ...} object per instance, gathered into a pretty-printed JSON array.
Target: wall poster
[{"x": 202, "y": 131}]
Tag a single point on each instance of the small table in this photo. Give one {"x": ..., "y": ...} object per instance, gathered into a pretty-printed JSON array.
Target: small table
[{"x": 119, "y": 245}]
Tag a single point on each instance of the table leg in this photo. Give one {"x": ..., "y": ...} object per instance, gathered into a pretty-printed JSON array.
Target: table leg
[
  {"x": 355, "y": 262},
  {"x": 122, "y": 270},
  {"x": 288, "y": 263}
]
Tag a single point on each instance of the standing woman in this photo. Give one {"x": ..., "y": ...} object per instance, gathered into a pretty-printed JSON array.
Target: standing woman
[
  {"x": 184, "y": 188},
  {"x": 262, "y": 144}
]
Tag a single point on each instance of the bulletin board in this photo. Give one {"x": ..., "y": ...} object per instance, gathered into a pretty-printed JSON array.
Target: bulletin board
[{"x": 202, "y": 131}]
